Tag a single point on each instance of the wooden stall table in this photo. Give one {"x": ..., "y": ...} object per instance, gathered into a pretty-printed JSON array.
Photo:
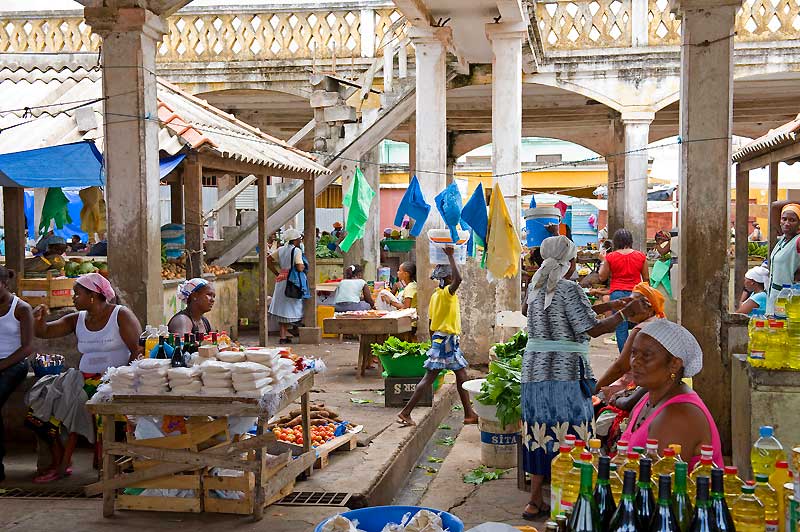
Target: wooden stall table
[
  {"x": 370, "y": 329},
  {"x": 169, "y": 455}
]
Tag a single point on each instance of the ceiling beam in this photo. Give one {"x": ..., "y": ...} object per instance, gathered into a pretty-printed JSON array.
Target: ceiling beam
[
  {"x": 511, "y": 11},
  {"x": 792, "y": 151},
  {"x": 415, "y": 12}
]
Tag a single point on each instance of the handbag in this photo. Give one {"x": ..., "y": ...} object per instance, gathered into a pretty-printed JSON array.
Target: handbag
[
  {"x": 293, "y": 290},
  {"x": 587, "y": 385}
]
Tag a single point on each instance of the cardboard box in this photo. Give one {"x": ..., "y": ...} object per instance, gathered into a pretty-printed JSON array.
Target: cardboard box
[
  {"x": 55, "y": 292},
  {"x": 398, "y": 390}
]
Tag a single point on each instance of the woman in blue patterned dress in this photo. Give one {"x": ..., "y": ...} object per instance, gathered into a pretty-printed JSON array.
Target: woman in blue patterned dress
[{"x": 557, "y": 379}]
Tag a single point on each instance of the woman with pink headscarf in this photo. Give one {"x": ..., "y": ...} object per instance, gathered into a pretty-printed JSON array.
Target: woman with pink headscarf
[{"x": 108, "y": 336}]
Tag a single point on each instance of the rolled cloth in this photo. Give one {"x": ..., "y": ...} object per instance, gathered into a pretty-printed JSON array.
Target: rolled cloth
[
  {"x": 557, "y": 252},
  {"x": 653, "y": 296},
  {"x": 792, "y": 207},
  {"x": 679, "y": 342},
  {"x": 97, "y": 283}
]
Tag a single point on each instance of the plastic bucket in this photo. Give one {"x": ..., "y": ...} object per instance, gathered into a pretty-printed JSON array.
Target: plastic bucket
[
  {"x": 487, "y": 412},
  {"x": 375, "y": 518},
  {"x": 536, "y": 221},
  {"x": 498, "y": 444},
  {"x": 440, "y": 239}
]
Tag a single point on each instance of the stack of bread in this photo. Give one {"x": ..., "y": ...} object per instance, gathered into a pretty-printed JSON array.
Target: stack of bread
[
  {"x": 185, "y": 381},
  {"x": 216, "y": 378},
  {"x": 123, "y": 380},
  {"x": 251, "y": 379},
  {"x": 151, "y": 374}
]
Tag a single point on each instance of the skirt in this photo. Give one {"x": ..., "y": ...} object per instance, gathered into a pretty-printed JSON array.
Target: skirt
[
  {"x": 285, "y": 309},
  {"x": 550, "y": 411},
  {"x": 445, "y": 353}
]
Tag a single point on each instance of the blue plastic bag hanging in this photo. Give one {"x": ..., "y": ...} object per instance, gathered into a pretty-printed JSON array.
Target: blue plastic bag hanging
[
  {"x": 475, "y": 213},
  {"x": 414, "y": 206},
  {"x": 449, "y": 204}
]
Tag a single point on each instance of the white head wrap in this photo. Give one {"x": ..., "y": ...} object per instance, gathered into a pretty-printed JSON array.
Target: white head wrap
[
  {"x": 189, "y": 287},
  {"x": 679, "y": 342},
  {"x": 557, "y": 252},
  {"x": 758, "y": 274},
  {"x": 291, "y": 234}
]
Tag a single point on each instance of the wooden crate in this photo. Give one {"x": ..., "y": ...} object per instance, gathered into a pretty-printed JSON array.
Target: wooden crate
[
  {"x": 181, "y": 481},
  {"x": 398, "y": 391},
  {"x": 55, "y": 292},
  {"x": 345, "y": 442}
]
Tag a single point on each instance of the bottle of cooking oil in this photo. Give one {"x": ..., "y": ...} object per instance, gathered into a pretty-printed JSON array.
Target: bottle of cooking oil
[
  {"x": 652, "y": 452},
  {"x": 792, "y": 357},
  {"x": 594, "y": 448},
  {"x": 748, "y": 511},
  {"x": 558, "y": 470},
  {"x": 702, "y": 469},
  {"x": 666, "y": 466},
  {"x": 572, "y": 482},
  {"x": 775, "y": 356},
  {"x": 758, "y": 344},
  {"x": 621, "y": 457},
  {"x": 616, "y": 483},
  {"x": 766, "y": 452},
  {"x": 783, "y": 300},
  {"x": 577, "y": 451},
  {"x": 778, "y": 479},
  {"x": 768, "y": 496},
  {"x": 631, "y": 463},
  {"x": 733, "y": 485}
]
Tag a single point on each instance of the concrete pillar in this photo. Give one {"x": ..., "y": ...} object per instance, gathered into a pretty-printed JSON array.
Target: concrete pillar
[
  {"x": 742, "y": 230},
  {"x": 431, "y": 148},
  {"x": 506, "y": 42},
  {"x": 616, "y": 177},
  {"x": 310, "y": 244},
  {"x": 226, "y": 217},
  {"x": 366, "y": 251},
  {"x": 412, "y": 147},
  {"x": 193, "y": 212},
  {"x": 130, "y": 36},
  {"x": 262, "y": 314},
  {"x": 706, "y": 113},
  {"x": 14, "y": 226},
  {"x": 774, "y": 224},
  {"x": 637, "y": 132},
  {"x": 367, "y": 31},
  {"x": 639, "y": 23}
]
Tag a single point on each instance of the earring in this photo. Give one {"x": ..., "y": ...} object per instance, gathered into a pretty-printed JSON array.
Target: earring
[
  {"x": 672, "y": 376},
  {"x": 91, "y": 300}
]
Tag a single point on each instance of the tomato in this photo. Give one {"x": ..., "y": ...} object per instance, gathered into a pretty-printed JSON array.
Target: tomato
[{"x": 299, "y": 440}]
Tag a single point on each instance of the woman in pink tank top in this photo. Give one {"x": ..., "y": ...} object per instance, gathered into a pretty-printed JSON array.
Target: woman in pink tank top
[{"x": 663, "y": 353}]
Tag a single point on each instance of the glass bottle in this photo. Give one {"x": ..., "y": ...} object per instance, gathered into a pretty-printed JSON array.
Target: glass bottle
[
  {"x": 177, "y": 357},
  {"x": 570, "y": 489},
  {"x": 561, "y": 522},
  {"x": 664, "y": 518},
  {"x": 624, "y": 519},
  {"x": 585, "y": 515},
  {"x": 162, "y": 352},
  {"x": 645, "y": 501},
  {"x": 551, "y": 526},
  {"x": 722, "y": 514},
  {"x": 681, "y": 504},
  {"x": 602, "y": 492},
  {"x": 703, "y": 520}
]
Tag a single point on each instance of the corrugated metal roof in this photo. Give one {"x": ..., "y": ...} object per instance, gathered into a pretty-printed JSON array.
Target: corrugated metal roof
[
  {"x": 776, "y": 138},
  {"x": 43, "y": 96}
]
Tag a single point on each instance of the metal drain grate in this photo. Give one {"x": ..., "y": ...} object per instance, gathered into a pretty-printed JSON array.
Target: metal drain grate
[
  {"x": 315, "y": 498},
  {"x": 44, "y": 493}
]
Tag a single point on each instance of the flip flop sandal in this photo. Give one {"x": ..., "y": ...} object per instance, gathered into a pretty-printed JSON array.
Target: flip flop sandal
[
  {"x": 542, "y": 512},
  {"x": 405, "y": 423},
  {"x": 48, "y": 477},
  {"x": 68, "y": 471}
]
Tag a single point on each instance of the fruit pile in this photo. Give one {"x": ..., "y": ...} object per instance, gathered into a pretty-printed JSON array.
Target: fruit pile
[{"x": 319, "y": 434}]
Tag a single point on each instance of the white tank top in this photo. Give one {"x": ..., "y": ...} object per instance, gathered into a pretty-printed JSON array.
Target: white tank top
[
  {"x": 101, "y": 349},
  {"x": 10, "y": 340}
]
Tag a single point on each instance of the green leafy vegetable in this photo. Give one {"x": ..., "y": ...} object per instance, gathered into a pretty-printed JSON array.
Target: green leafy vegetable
[
  {"x": 360, "y": 401},
  {"x": 435, "y": 460},
  {"x": 503, "y": 388},
  {"x": 396, "y": 348},
  {"x": 513, "y": 347},
  {"x": 428, "y": 469},
  {"x": 447, "y": 441},
  {"x": 480, "y": 474},
  {"x": 322, "y": 251},
  {"x": 445, "y": 427}
]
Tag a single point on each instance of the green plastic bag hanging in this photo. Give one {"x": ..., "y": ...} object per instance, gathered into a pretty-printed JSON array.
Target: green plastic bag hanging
[
  {"x": 54, "y": 209},
  {"x": 356, "y": 201}
]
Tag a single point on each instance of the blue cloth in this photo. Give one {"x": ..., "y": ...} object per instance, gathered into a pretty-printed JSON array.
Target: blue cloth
[
  {"x": 168, "y": 164},
  {"x": 475, "y": 213},
  {"x": 623, "y": 328},
  {"x": 449, "y": 203},
  {"x": 78, "y": 164},
  {"x": 550, "y": 411},
  {"x": 761, "y": 300},
  {"x": 300, "y": 279},
  {"x": 414, "y": 206},
  {"x": 445, "y": 353}
]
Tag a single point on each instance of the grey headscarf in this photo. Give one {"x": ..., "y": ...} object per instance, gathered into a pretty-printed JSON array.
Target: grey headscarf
[
  {"x": 557, "y": 252},
  {"x": 679, "y": 342}
]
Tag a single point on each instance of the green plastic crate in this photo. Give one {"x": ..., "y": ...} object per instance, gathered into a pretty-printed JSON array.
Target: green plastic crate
[
  {"x": 402, "y": 245},
  {"x": 407, "y": 366}
]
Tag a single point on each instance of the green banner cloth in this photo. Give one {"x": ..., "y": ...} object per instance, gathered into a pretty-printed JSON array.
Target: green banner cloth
[{"x": 356, "y": 202}]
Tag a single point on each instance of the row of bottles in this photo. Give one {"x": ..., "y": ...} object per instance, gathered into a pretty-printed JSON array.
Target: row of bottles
[
  {"x": 152, "y": 336},
  {"x": 775, "y": 343}
]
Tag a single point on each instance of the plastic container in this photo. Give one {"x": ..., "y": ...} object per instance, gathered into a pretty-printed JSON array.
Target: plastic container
[
  {"x": 537, "y": 219},
  {"x": 440, "y": 239},
  {"x": 784, "y": 296},
  {"x": 403, "y": 245},
  {"x": 758, "y": 344},
  {"x": 766, "y": 452},
  {"x": 407, "y": 366},
  {"x": 473, "y": 388},
  {"x": 375, "y": 518},
  {"x": 559, "y": 467},
  {"x": 776, "y": 345},
  {"x": 733, "y": 485},
  {"x": 768, "y": 496},
  {"x": 748, "y": 512}
]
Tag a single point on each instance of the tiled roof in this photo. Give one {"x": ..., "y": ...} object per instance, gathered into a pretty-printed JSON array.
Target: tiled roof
[{"x": 776, "y": 138}]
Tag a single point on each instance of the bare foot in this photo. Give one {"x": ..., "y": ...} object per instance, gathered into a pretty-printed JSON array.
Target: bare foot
[
  {"x": 405, "y": 420},
  {"x": 471, "y": 420}
]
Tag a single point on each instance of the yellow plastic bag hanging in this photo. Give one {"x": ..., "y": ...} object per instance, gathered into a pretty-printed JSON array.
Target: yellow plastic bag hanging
[{"x": 503, "y": 248}]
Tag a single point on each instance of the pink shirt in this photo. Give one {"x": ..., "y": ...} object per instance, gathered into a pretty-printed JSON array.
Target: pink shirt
[{"x": 638, "y": 438}]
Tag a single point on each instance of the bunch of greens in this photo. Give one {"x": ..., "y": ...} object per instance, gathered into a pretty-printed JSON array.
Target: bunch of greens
[
  {"x": 323, "y": 252},
  {"x": 503, "y": 388},
  {"x": 396, "y": 348},
  {"x": 480, "y": 474},
  {"x": 755, "y": 249},
  {"x": 513, "y": 347}
]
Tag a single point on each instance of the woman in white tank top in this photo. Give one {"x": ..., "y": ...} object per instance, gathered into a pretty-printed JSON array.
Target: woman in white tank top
[
  {"x": 108, "y": 336},
  {"x": 16, "y": 343}
]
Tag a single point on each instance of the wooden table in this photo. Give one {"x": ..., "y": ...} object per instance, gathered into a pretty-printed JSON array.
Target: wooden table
[
  {"x": 269, "y": 481},
  {"x": 369, "y": 330}
]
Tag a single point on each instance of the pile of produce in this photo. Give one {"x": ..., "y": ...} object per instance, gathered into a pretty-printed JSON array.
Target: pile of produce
[
  {"x": 396, "y": 348},
  {"x": 323, "y": 250},
  {"x": 754, "y": 249},
  {"x": 76, "y": 267},
  {"x": 172, "y": 269},
  {"x": 319, "y": 434},
  {"x": 503, "y": 384},
  {"x": 324, "y": 424}
]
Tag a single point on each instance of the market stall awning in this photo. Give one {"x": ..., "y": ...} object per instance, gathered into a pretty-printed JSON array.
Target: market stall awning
[{"x": 78, "y": 164}]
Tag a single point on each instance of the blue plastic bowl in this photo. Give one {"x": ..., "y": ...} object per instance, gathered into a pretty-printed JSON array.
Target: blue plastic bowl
[{"x": 374, "y": 518}]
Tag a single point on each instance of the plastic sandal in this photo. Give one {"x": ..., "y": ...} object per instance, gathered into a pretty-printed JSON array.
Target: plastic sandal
[{"x": 46, "y": 478}]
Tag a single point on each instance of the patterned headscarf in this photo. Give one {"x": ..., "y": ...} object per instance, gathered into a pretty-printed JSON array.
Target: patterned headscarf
[
  {"x": 679, "y": 342},
  {"x": 792, "y": 207},
  {"x": 557, "y": 252},
  {"x": 655, "y": 298},
  {"x": 98, "y": 284},
  {"x": 190, "y": 287}
]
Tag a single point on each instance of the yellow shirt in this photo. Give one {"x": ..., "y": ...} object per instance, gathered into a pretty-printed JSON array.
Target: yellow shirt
[
  {"x": 410, "y": 291},
  {"x": 444, "y": 312}
]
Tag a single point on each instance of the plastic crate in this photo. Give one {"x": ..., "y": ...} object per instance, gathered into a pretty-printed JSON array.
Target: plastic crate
[{"x": 407, "y": 366}]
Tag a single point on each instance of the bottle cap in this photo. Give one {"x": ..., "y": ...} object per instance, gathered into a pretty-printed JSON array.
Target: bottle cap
[
  {"x": 594, "y": 443},
  {"x": 629, "y": 482},
  {"x": 762, "y": 478},
  {"x": 748, "y": 489},
  {"x": 766, "y": 431},
  {"x": 622, "y": 444},
  {"x": 782, "y": 464},
  {"x": 760, "y": 324},
  {"x": 706, "y": 450},
  {"x": 750, "y": 483},
  {"x": 705, "y": 460},
  {"x": 731, "y": 470},
  {"x": 639, "y": 450},
  {"x": 564, "y": 449},
  {"x": 586, "y": 456},
  {"x": 580, "y": 443},
  {"x": 777, "y": 325},
  {"x": 652, "y": 443},
  {"x": 633, "y": 455},
  {"x": 664, "y": 486},
  {"x": 771, "y": 522},
  {"x": 676, "y": 447},
  {"x": 669, "y": 452},
  {"x": 570, "y": 439}
]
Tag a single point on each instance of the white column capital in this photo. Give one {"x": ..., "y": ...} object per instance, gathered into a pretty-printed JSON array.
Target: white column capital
[
  {"x": 505, "y": 30},
  {"x": 430, "y": 35},
  {"x": 107, "y": 20},
  {"x": 638, "y": 117}
]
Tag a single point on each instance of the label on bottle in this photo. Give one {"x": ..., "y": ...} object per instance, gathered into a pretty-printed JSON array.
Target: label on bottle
[
  {"x": 758, "y": 355},
  {"x": 555, "y": 501},
  {"x": 771, "y": 526}
]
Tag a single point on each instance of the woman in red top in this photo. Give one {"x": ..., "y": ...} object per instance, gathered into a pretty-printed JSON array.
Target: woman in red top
[{"x": 626, "y": 267}]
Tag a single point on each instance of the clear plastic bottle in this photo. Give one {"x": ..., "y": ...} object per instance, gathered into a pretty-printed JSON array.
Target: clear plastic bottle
[
  {"x": 594, "y": 448},
  {"x": 666, "y": 466},
  {"x": 748, "y": 511},
  {"x": 652, "y": 452},
  {"x": 151, "y": 341},
  {"x": 702, "y": 469},
  {"x": 766, "y": 452},
  {"x": 621, "y": 457},
  {"x": 757, "y": 349},
  {"x": 778, "y": 480},
  {"x": 616, "y": 483},
  {"x": 775, "y": 356},
  {"x": 733, "y": 485},
  {"x": 572, "y": 482},
  {"x": 558, "y": 469},
  {"x": 578, "y": 450},
  {"x": 783, "y": 300},
  {"x": 631, "y": 463},
  {"x": 768, "y": 496}
]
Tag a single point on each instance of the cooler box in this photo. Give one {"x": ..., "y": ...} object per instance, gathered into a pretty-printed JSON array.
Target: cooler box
[
  {"x": 324, "y": 312},
  {"x": 536, "y": 221}
]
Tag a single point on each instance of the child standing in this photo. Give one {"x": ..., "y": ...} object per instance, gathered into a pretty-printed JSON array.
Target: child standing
[{"x": 445, "y": 353}]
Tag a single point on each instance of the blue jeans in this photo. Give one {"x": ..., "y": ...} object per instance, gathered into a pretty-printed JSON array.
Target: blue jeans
[
  {"x": 10, "y": 378},
  {"x": 624, "y": 327}
]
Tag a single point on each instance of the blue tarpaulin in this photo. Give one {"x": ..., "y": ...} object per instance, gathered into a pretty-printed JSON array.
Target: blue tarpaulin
[{"x": 79, "y": 164}]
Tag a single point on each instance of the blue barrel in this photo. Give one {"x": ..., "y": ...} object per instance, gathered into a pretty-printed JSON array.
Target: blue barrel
[
  {"x": 375, "y": 518},
  {"x": 536, "y": 221}
]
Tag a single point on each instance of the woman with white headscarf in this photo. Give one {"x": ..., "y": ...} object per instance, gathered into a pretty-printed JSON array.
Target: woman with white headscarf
[
  {"x": 557, "y": 380},
  {"x": 198, "y": 295},
  {"x": 288, "y": 310},
  {"x": 754, "y": 296}
]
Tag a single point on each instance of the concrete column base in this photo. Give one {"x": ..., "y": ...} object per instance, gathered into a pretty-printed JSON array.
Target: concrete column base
[{"x": 310, "y": 335}]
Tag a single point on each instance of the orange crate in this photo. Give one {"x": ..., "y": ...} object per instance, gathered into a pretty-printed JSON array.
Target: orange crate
[{"x": 55, "y": 292}]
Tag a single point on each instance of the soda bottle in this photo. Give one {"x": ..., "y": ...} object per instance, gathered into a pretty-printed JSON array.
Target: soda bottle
[
  {"x": 766, "y": 452},
  {"x": 602, "y": 492},
  {"x": 151, "y": 341},
  {"x": 778, "y": 480},
  {"x": 681, "y": 504},
  {"x": 631, "y": 463},
  {"x": 733, "y": 485},
  {"x": 664, "y": 519},
  {"x": 551, "y": 526},
  {"x": 768, "y": 496},
  {"x": 558, "y": 469},
  {"x": 585, "y": 515},
  {"x": 624, "y": 519},
  {"x": 722, "y": 514},
  {"x": 621, "y": 457},
  {"x": 616, "y": 483},
  {"x": 645, "y": 500},
  {"x": 757, "y": 348},
  {"x": 177, "y": 357},
  {"x": 774, "y": 358},
  {"x": 748, "y": 511},
  {"x": 783, "y": 299},
  {"x": 652, "y": 451},
  {"x": 666, "y": 466},
  {"x": 572, "y": 482},
  {"x": 703, "y": 520}
]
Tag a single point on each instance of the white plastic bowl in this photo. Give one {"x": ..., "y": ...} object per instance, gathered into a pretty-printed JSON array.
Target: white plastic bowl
[{"x": 473, "y": 387}]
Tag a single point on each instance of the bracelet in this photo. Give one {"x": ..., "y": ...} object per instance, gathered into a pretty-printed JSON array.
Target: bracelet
[{"x": 622, "y": 315}]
